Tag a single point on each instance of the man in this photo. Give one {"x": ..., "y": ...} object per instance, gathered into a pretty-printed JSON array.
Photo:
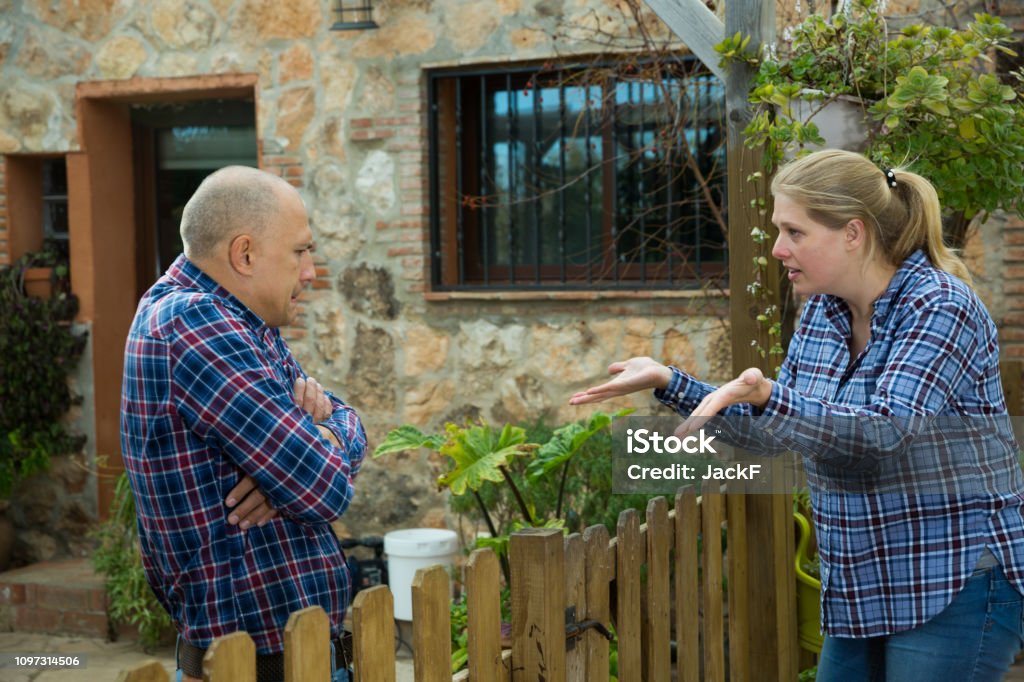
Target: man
[{"x": 238, "y": 461}]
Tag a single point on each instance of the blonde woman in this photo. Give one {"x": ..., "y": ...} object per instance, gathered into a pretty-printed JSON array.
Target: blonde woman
[{"x": 914, "y": 586}]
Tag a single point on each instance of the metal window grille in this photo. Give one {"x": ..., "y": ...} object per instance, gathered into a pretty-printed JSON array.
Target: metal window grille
[
  {"x": 55, "y": 199},
  {"x": 353, "y": 15},
  {"x": 577, "y": 178}
]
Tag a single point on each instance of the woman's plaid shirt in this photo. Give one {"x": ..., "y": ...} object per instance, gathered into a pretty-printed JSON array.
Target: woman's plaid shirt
[
  {"x": 891, "y": 561},
  {"x": 206, "y": 399}
]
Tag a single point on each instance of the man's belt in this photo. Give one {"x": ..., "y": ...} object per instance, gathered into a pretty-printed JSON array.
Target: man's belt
[{"x": 269, "y": 667}]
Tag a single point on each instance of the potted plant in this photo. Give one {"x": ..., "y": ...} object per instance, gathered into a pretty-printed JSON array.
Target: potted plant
[
  {"x": 927, "y": 98},
  {"x": 45, "y": 271},
  {"x": 38, "y": 349}
]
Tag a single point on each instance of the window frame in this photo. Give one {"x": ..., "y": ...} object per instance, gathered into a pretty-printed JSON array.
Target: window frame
[{"x": 455, "y": 232}]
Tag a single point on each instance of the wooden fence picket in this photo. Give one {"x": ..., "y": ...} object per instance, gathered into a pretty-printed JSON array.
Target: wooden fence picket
[
  {"x": 598, "y": 563},
  {"x": 373, "y": 635},
  {"x": 483, "y": 611},
  {"x": 432, "y": 653},
  {"x": 231, "y": 658},
  {"x": 680, "y": 550},
  {"x": 537, "y": 558},
  {"x": 711, "y": 549},
  {"x": 658, "y": 624},
  {"x": 150, "y": 671},
  {"x": 629, "y": 554},
  {"x": 576, "y": 595},
  {"x": 307, "y": 646},
  {"x": 739, "y": 612},
  {"x": 687, "y": 530}
]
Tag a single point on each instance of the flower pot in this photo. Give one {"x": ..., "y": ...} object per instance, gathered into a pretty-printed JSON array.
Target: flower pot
[
  {"x": 842, "y": 122},
  {"x": 808, "y": 591},
  {"x": 38, "y": 282}
]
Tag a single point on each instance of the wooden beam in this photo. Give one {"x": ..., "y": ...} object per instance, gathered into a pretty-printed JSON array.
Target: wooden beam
[{"x": 696, "y": 26}]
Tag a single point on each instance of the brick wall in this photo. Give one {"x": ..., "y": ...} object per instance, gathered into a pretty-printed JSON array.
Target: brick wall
[
  {"x": 1011, "y": 331},
  {"x": 405, "y": 136}
]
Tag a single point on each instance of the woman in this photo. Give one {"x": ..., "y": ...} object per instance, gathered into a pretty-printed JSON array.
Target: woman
[{"x": 914, "y": 585}]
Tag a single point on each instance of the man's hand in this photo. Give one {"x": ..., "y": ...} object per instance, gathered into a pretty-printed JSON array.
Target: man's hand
[
  {"x": 309, "y": 395},
  {"x": 249, "y": 507},
  {"x": 635, "y": 374}
]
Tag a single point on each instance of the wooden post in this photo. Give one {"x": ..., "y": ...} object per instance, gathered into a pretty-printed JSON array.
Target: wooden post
[
  {"x": 431, "y": 625},
  {"x": 1010, "y": 371},
  {"x": 307, "y": 646},
  {"x": 231, "y": 658},
  {"x": 483, "y": 614},
  {"x": 538, "y": 605},
  {"x": 771, "y": 627}
]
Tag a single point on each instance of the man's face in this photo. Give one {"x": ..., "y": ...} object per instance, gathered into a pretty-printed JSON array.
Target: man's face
[{"x": 283, "y": 265}]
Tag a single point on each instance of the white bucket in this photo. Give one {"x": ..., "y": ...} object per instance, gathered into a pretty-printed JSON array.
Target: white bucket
[{"x": 409, "y": 550}]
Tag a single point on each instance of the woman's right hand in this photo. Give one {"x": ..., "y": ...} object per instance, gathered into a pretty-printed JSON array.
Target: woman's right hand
[{"x": 635, "y": 374}]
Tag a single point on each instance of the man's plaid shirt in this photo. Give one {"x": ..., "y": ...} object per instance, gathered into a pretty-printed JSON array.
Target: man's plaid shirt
[
  {"x": 206, "y": 399},
  {"x": 892, "y": 561}
]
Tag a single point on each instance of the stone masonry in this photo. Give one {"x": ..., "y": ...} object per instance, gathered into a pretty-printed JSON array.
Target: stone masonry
[{"x": 342, "y": 115}]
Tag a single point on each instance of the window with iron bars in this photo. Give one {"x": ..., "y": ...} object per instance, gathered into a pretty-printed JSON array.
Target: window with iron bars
[{"x": 589, "y": 177}]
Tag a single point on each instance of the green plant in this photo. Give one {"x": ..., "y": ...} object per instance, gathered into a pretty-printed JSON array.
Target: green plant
[
  {"x": 808, "y": 675},
  {"x": 926, "y": 97},
  {"x": 38, "y": 349},
  {"x": 53, "y": 254},
  {"x": 513, "y": 477},
  {"x": 118, "y": 558}
]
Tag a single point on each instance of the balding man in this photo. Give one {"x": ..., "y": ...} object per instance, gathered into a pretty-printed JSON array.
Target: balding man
[{"x": 239, "y": 462}]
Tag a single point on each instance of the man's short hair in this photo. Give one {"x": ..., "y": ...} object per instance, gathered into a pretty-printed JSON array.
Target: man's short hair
[{"x": 230, "y": 201}]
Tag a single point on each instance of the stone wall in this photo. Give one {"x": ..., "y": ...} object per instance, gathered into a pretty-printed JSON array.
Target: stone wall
[{"x": 342, "y": 116}]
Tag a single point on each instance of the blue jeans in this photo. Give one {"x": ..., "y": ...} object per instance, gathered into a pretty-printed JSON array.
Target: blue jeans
[
  {"x": 974, "y": 639},
  {"x": 336, "y": 675}
]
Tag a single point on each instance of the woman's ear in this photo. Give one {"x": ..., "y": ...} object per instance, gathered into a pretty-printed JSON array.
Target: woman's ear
[
  {"x": 856, "y": 234},
  {"x": 240, "y": 254}
]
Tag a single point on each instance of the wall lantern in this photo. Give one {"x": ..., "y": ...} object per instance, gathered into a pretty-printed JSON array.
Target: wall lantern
[{"x": 354, "y": 15}]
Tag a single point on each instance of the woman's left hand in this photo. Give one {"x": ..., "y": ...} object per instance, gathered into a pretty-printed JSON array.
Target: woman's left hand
[{"x": 749, "y": 387}]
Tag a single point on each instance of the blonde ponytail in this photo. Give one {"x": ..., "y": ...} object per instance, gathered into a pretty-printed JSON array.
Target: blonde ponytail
[{"x": 902, "y": 211}]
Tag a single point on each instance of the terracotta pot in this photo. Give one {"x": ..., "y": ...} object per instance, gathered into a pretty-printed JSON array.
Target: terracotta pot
[{"x": 38, "y": 282}]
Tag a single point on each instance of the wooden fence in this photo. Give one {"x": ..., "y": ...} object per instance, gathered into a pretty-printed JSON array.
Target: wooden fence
[{"x": 659, "y": 584}]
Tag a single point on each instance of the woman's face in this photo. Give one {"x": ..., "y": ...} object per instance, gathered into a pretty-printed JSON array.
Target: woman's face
[{"x": 817, "y": 258}]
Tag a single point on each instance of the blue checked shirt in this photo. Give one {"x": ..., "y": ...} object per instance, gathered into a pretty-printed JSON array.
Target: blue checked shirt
[
  {"x": 891, "y": 561},
  {"x": 207, "y": 398}
]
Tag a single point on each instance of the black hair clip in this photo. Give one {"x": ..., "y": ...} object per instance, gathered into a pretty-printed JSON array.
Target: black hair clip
[{"x": 890, "y": 177}]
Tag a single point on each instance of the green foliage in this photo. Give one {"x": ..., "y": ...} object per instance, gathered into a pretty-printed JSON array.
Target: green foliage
[
  {"x": 927, "y": 100},
  {"x": 37, "y": 352},
  {"x": 519, "y": 477},
  {"x": 479, "y": 454},
  {"x": 808, "y": 675},
  {"x": 118, "y": 558}
]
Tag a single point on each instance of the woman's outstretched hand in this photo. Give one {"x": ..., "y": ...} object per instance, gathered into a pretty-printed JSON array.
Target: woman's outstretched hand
[
  {"x": 749, "y": 387},
  {"x": 635, "y": 374}
]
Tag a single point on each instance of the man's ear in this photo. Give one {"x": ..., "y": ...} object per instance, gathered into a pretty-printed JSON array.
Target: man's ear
[
  {"x": 856, "y": 234},
  {"x": 240, "y": 254}
]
